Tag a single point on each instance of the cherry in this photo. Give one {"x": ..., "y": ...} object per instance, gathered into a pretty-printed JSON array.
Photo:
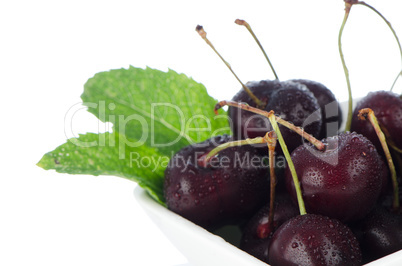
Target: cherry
[
  {"x": 387, "y": 197},
  {"x": 344, "y": 181},
  {"x": 297, "y": 105},
  {"x": 348, "y": 7},
  {"x": 290, "y": 100},
  {"x": 257, "y": 232},
  {"x": 379, "y": 233},
  {"x": 368, "y": 114},
  {"x": 330, "y": 109},
  {"x": 319, "y": 240},
  {"x": 312, "y": 239},
  {"x": 387, "y": 107},
  {"x": 232, "y": 186},
  {"x": 245, "y": 124}
]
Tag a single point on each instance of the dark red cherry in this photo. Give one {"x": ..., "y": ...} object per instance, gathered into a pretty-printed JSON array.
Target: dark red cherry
[
  {"x": 257, "y": 232},
  {"x": 233, "y": 185},
  {"x": 387, "y": 196},
  {"x": 296, "y": 104},
  {"x": 289, "y": 100},
  {"x": 330, "y": 109},
  {"x": 379, "y": 233},
  {"x": 312, "y": 239},
  {"x": 246, "y": 124},
  {"x": 387, "y": 107},
  {"x": 342, "y": 182}
]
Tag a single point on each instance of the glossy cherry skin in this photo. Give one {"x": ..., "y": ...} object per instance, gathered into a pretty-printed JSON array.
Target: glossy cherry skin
[
  {"x": 232, "y": 187},
  {"x": 296, "y": 104},
  {"x": 257, "y": 232},
  {"x": 387, "y": 107},
  {"x": 330, "y": 109},
  {"x": 246, "y": 124},
  {"x": 342, "y": 182},
  {"x": 291, "y": 101},
  {"x": 314, "y": 240},
  {"x": 387, "y": 196},
  {"x": 379, "y": 233}
]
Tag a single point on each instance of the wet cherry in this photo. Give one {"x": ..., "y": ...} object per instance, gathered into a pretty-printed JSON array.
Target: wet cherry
[
  {"x": 342, "y": 182},
  {"x": 379, "y": 233},
  {"x": 387, "y": 107},
  {"x": 257, "y": 233},
  {"x": 330, "y": 109},
  {"x": 312, "y": 239},
  {"x": 289, "y": 100},
  {"x": 231, "y": 187}
]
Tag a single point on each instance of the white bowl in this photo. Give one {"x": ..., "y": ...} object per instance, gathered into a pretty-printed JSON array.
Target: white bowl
[{"x": 201, "y": 247}]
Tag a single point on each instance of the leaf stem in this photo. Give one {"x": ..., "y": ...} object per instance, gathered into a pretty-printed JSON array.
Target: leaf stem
[
  {"x": 318, "y": 144},
  {"x": 367, "y": 113},
  {"x": 291, "y": 166},
  {"x": 244, "y": 23}
]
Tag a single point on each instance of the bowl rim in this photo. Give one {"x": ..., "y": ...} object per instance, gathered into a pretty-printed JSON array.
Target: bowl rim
[
  {"x": 150, "y": 206},
  {"x": 160, "y": 214}
]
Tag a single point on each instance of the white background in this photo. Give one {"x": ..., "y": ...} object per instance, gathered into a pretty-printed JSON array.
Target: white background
[{"x": 48, "y": 49}]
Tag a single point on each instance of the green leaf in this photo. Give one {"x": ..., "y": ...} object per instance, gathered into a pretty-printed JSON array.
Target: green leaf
[
  {"x": 154, "y": 114},
  {"x": 110, "y": 154},
  {"x": 166, "y": 111}
]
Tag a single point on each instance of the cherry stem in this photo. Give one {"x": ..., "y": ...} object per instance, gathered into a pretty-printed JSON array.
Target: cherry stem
[
  {"x": 216, "y": 150},
  {"x": 318, "y": 144},
  {"x": 396, "y": 79},
  {"x": 393, "y": 146},
  {"x": 271, "y": 138},
  {"x": 398, "y": 159},
  {"x": 244, "y": 23},
  {"x": 390, "y": 27},
  {"x": 291, "y": 166},
  {"x": 390, "y": 142},
  {"x": 203, "y": 35},
  {"x": 266, "y": 139},
  {"x": 367, "y": 113},
  {"x": 345, "y": 69}
]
